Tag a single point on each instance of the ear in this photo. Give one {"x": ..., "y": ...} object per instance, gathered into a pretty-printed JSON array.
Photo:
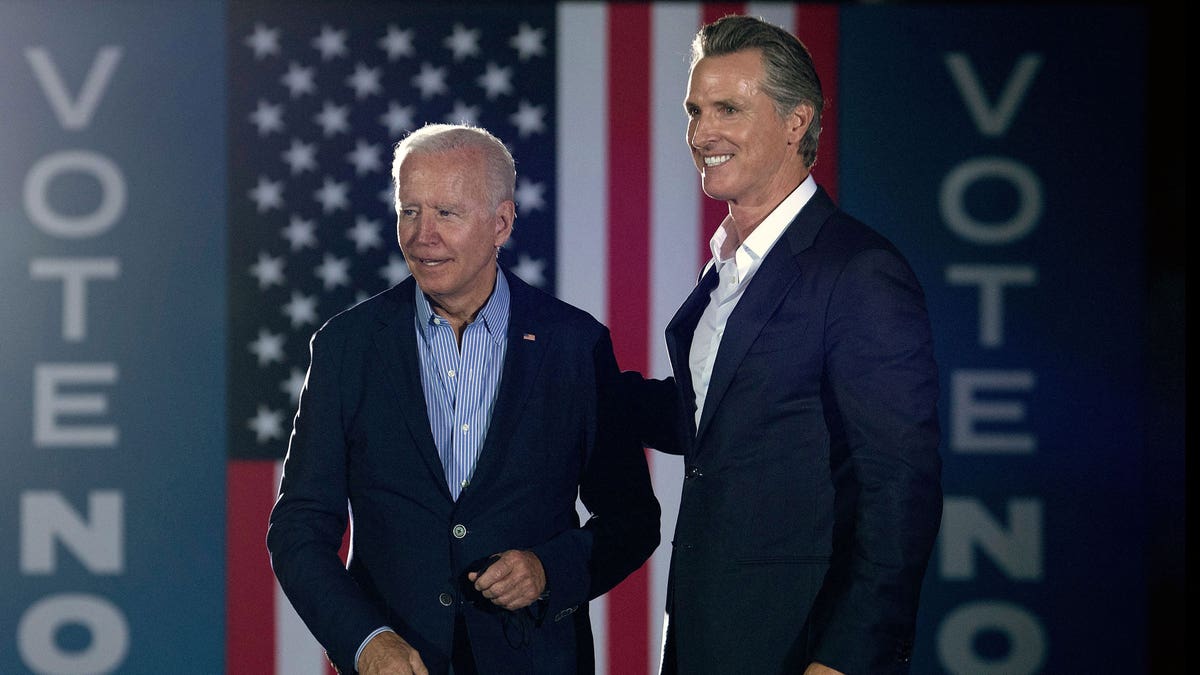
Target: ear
[
  {"x": 506, "y": 213},
  {"x": 798, "y": 122}
]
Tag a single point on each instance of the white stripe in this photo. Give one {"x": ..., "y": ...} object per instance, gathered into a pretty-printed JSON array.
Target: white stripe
[
  {"x": 782, "y": 14},
  {"x": 582, "y": 142},
  {"x": 598, "y": 613},
  {"x": 674, "y": 221},
  {"x": 582, "y": 154},
  {"x": 674, "y": 243},
  {"x": 675, "y": 184},
  {"x": 297, "y": 652}
]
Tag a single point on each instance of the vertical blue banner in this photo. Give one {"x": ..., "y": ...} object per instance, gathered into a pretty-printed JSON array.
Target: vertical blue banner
[
  {"x": 1002, "y": 150},
  {"x": 112, "y": 323}
]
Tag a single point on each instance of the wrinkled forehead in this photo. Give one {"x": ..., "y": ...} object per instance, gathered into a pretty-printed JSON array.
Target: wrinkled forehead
[
  {"x": 407, "y": 160},
  {"x": 725, "y": 76},
  {"x": 460, "y": 171}
]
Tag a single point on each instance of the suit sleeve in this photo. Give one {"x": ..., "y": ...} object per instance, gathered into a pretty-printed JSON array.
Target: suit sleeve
[
  {"x": 882, "y": 380},
  {"x": 649, "y": 408},
  {"x": 623, "y": 529},
  {"x": 309, "y": 518},
  {"x": 615, "y": 487}
]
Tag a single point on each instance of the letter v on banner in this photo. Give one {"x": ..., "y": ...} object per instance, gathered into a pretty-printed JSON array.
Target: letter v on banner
[
  {"x": 76, "y": 114},
  {"x": 992, "y": 120}
]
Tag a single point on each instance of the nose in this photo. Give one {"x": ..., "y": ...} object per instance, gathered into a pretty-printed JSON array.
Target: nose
[
  {"x": 426, "y": 227},
  {"x": 700, "y": 131},
  {"x": 420, "y": 229}
]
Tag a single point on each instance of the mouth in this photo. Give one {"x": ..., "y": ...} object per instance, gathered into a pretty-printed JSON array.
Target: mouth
[
  {"x": 431, "y": 262},
  {"x": 715, "y": 160}
]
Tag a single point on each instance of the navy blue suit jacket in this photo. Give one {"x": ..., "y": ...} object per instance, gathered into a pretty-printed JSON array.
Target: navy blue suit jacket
[
  {"x": 811, "y": 494},
  {"x": 362, "y": 439}
]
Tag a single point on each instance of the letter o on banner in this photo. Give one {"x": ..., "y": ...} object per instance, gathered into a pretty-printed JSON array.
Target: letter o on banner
[
  {"x": 956, "y": 638},
  {"x": 1023, "y": 180},
  {"x": 109, "y": 635},
  {"x": 112, "y": 194}
]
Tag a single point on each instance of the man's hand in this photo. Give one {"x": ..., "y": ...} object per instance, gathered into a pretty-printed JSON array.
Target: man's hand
[
  {"x": 389, "y": 654},
  {"x": 815, "y": 668},
  {"x": 514, "y": 580}
]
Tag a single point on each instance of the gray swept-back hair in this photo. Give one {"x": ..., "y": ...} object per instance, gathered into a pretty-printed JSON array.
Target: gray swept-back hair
[
  {"x": 438, "y": 138},
  {"x": 790, "y": 78}
]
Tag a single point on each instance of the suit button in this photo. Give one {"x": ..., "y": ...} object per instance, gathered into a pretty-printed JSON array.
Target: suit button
[
  {"x": 445, "y": 600},
  {"x": 693, "y": 471},
  {"x": 459, "y": 531}
]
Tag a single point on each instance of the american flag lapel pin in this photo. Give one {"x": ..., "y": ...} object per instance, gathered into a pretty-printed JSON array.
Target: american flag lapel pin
[{"x": 529, "y": 336}]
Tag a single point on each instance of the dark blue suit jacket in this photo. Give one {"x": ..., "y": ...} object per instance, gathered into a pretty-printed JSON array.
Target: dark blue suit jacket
[
  {"x": 811, "y": 494},
  {"x": 362, "y": 439}
]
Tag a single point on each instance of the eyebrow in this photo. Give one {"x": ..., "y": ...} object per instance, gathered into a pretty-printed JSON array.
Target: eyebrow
[{"x": 720, "y": 103}]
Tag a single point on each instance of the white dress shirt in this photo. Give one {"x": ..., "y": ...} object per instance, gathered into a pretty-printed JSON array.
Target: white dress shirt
[{"x": 734, "y": 274}]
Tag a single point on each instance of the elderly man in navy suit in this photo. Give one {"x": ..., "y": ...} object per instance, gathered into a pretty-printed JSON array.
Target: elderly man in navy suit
[
  {"x": 455, "y": 419},
  {"x": 803, "y": 399}
]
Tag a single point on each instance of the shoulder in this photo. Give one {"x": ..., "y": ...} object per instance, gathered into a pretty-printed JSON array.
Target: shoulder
[
  {"x": 543, "y": 308},
  {"x": 845, "y": 247},
  {"x": 843, "y": 232},
  {"x": 837, "y": 249},
  {"x": 865, "y": 269},
  {"x": 364, "y": 318},
  {"x": 824, "y": 234}
]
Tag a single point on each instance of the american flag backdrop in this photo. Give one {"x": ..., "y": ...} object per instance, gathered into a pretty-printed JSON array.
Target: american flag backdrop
[{"x": 588, "y": 96}]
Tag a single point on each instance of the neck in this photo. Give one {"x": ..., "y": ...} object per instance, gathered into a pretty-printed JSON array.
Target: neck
[
  {"x": 745, "y": 217},
  {"x": 459, "y": 314}
]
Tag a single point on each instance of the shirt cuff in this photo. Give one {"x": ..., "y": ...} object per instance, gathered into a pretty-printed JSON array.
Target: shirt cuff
[{"x": 377, "y": 631}]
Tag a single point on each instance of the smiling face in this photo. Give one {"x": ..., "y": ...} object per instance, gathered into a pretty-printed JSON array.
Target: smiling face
[
  {"x": 745, "y": 152},
  {"x": 449, "y": 229}
]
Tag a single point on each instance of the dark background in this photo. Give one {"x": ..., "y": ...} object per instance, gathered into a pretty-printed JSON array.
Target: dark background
[{"x": 1166, "y": 330}]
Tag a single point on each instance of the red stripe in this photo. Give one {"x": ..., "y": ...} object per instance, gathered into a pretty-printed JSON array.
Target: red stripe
[
  {"x": 629, "y": 151},
  {"x": 817, "y": 26},
  {"x": 715, "y": 10},
  {"x": 713, "y": 211},
  {"x": 629, "y": 182},
  {"x": 250, "y": 584}
]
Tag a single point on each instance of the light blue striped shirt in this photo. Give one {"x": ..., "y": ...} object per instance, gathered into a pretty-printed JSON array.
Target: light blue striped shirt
[{"x": 460, "y": 386}]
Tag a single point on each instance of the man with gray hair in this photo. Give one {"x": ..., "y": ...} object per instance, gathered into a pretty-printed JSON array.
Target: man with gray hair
[
  {"x": 804, "y": 396},
  {"x": 454, "y": 420}
]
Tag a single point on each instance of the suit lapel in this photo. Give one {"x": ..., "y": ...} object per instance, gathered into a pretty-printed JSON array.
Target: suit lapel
[
  {"x": 775, "y": 276},
  {"x": 527, "y": 340},
  {"x": 679, "y": 333},
  {"x": 396, "y": 343},
  {"x": 766, "y": 290}
]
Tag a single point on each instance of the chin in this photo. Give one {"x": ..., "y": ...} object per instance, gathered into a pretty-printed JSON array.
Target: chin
[{"x": 714, "y": 192}]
